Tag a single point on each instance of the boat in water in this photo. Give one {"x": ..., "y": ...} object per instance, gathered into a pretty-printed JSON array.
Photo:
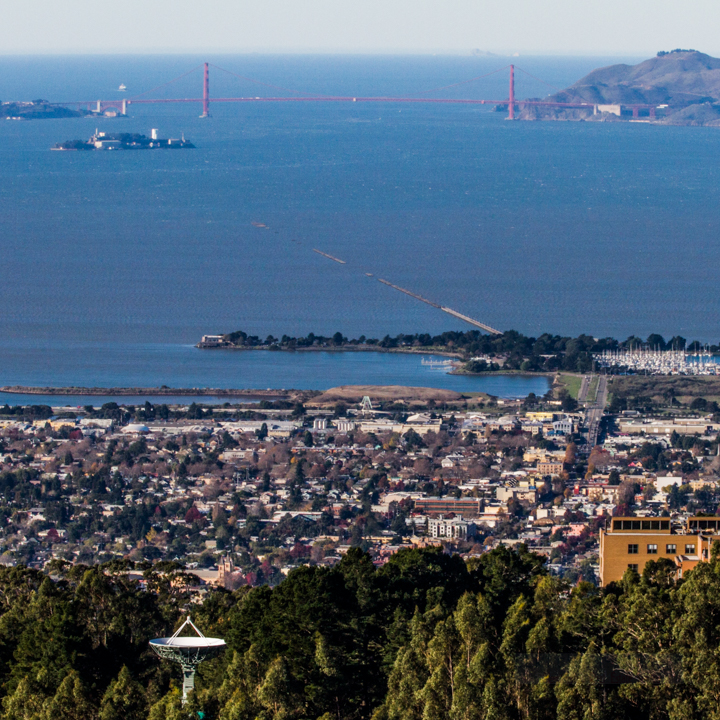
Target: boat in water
[{"x": 122, "y": 87}]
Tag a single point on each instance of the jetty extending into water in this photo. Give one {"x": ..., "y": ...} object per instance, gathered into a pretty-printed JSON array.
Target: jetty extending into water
[
  {"x": 144, "y": 391},
  {"x": 447, "y": 310},
  {"x": 330, "y": 257}
]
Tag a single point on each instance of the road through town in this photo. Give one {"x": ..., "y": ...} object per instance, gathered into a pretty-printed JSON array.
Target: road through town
[{"x": 594, "y": 413}]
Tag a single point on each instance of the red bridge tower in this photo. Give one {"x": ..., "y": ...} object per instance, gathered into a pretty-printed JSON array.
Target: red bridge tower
[
  {"x": 511, "y": 103},
  {"x": 206, "y": 93}
]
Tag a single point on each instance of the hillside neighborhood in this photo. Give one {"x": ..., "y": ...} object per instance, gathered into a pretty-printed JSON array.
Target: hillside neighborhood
[{"x": 240, "y": 495}]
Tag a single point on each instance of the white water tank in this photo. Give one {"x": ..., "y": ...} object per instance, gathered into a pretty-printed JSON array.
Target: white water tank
[{"x": 153, "y": 134}]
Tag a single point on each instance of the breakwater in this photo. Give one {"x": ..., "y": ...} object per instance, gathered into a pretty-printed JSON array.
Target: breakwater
[{"x": 146, "y": 392}]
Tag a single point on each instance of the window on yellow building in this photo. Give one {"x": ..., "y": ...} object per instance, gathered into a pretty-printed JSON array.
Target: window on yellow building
[
  {"x": 652, "y": 549},
  {"x": 689, "y": 549},
  {"x": 671, "y": 549},
  {"x": 633, "y": 566},
  {"x": 632, "y": 549}
]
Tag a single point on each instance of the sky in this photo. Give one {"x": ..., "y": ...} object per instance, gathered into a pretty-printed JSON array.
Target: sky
[{"x": 531, "y": 27}]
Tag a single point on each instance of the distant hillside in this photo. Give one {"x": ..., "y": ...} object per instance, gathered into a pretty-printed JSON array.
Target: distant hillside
[
  {"x": 687, "y": 81},
  {"x": 38, "y": 109}
]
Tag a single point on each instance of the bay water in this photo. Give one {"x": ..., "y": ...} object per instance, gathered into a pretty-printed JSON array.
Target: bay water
[{"x": 114, "y": 264}]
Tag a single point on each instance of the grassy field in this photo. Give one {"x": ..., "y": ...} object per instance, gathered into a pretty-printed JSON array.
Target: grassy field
[
  {"x": 569, "y": 382},
  {"x": 683, "y": 387},
  {"x": 355, "y": 393}
]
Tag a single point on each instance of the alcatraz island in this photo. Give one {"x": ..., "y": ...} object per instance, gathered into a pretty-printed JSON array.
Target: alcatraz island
[{"x": 125, "y": 141}]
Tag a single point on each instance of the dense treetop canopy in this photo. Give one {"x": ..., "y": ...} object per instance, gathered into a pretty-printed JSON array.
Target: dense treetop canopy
[{"x": 428, "y": 635}]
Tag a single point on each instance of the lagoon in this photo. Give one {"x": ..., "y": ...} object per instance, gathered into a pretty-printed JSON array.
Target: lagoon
[{"x": 105, "y": 364}]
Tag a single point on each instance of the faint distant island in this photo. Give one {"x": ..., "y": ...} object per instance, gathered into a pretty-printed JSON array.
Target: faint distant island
[
  {"x": 680, "y": 87},
  {"x": 124, "y": 141},
  {"x": 38, "y": 110}
]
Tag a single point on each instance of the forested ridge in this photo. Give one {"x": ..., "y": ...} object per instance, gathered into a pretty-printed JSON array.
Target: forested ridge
[{"x": 425, "y": 636}]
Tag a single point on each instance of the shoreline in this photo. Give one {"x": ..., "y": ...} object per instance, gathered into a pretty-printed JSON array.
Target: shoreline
[
  {"x": 330, "y": 349},
  {"x": 150, "y": 392},
  {"x": 261, "y": 394},
  {"x": 509, "y": 373}
]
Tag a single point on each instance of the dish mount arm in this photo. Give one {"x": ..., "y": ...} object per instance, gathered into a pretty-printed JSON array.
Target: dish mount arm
[{"x": 189, "y": 622}]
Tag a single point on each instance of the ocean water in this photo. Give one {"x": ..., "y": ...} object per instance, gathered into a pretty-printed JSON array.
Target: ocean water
[{"x": 114, "y": 264}]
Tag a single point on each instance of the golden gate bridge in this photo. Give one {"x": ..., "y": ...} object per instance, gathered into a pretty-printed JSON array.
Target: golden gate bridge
[{"x": 511, "y": 101}]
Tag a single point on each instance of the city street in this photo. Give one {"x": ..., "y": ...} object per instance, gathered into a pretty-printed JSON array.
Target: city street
[{"x": 594, "y": 413}]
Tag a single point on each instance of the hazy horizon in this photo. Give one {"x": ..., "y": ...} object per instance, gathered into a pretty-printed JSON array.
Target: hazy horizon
[
  {"x": 385, "y": 27},
  {"x": 323, "y": 53}
]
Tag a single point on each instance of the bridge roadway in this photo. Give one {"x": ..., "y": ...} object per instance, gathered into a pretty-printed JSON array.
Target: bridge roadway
[
  {"x": 104, "y": 104},
  {"x": 512, "y": 102}
]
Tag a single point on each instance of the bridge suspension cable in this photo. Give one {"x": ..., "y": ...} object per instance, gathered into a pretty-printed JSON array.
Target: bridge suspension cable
[
  {"x": 321, "y": 95},
  {"x": 300, "y": 96},
  {"x": 260, "y": 82},
  {"x": 170, "y": 82},
  {"x": 463, "y": 82},
  {"x": 421, "y": 92},
  {"x": 550, "y": 85}
]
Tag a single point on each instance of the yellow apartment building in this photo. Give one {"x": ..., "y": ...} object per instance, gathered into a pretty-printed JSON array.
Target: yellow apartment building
[
  {"x": 540, "y": 416},
  {"x": 631, "y": 542},
  {"x": 549, "y": 467}
]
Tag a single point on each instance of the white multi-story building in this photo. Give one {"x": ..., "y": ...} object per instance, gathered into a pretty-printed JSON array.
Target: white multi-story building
[{"x": 455, "y": 529}]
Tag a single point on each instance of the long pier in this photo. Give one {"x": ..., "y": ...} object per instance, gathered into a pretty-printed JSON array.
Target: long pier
[
  {"x": 329, "y": 257},
  {"x": 470, "y": 320},
  {"x": 447, "y": 310},
  {"x": 411, "y": 294}
]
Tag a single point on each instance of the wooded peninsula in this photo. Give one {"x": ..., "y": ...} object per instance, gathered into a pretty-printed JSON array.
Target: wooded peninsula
[{"x": 477, "y": 352}]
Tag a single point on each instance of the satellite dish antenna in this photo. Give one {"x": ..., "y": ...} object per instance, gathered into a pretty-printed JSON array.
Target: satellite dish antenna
[{"x": 188, "y": 651}]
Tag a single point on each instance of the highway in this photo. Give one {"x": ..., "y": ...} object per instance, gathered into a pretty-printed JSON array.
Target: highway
[
  {"x": 583, "y": 391},
  {"x": 594, "y": 412}
]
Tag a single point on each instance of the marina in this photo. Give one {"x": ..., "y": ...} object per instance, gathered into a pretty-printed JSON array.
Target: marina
[
  {"x": 447, "y": 363},
  {"x": 659, "y": 362}
]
